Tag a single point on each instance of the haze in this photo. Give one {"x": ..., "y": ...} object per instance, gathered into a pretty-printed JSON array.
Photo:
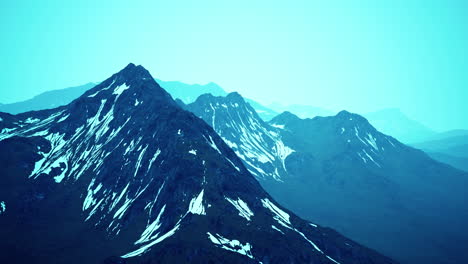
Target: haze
[{"x": 331, "y": 54}]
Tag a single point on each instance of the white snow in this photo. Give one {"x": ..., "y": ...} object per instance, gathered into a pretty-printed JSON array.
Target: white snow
[
  {"x": 30, "y": 120},
  {"x": 277, "y": 229},
  {"x": 372, "y": 141},
  {"x": 242, "y": 207},
  {"x": 136, "y": 102},
  {"x": 308, "y": 240},
  {"x": 2, "y": 207},
  {"x": 356, "y": 131},
  {"x": 147, "y": 235},
  {"x": 140, "y": 157},
  {"x": 196, "y": 205},
  {"x": 144, "y": 248},
  {"x": 370, "y": 157},
  {"x": 280, "y": 215},
  {"x": 212, "y": 144},
  {"x": 343, "y": 130},
  {"x": 283, "y": 151},
  {"x": 63, "y": 118},
  {"x": 229, "y": 143},
  {"x": 193, "y": 151},
  {"x": 332, "y": 259},
  {"x": 89, "y": 200},
  {"x": 153, "y": 159},
  {"x": 278, "y": 126},
  {"x": 120, "y": 89},
  {"x": 231, "y": 245}
]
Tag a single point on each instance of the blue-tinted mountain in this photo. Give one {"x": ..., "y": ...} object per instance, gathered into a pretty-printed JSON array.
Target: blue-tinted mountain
[
  {"x": 393, "y": 122},
  {"x": 47, "y": 100},
  {"x": 302, "y": 111},
  {"x": 123, "y": 174},
  {"x": 265, "y": 113},
  {"x": 190, "y": 92},
  {"x": 449, "y": 147},
  {"x": 342, "y": 172},
  {"x": 453, "y": 143},
  {"x": 254, "y": 141},
  {"x": 455, "y": 161}
]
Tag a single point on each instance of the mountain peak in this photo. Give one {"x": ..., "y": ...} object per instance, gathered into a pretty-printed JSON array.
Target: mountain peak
[
  {"x": 284, "y": 117},
  {"x": 134, "y": 72},
  {"x": 348, "y": 116},
  {"x": 134, "y": 81}
]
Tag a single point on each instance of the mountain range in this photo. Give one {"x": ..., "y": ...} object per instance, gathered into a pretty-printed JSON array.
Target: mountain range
[
  {"x": 392, "y": 121},
  {"x": 450, "y": 147},
  {"x": 342, "y": 172},
  {"x": 389, "y": 121},
  {"x": 47, "y": 100},
  {"x": 302, "y": 111},
  {"x": 122, "y": 174}
]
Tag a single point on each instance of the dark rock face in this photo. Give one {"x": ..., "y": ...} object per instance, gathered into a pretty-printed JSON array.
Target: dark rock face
[
  {"x": 342, "y": 172},
  {"x": 124, "y": 175}
]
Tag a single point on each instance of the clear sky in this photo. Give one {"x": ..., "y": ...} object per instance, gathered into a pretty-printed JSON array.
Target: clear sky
[{"x": 356, "y": 55}]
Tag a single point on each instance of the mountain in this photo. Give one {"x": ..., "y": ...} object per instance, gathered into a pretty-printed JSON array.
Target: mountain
[
  {"x": 255, "y": 142},
  {"x": 393, "y": 122},
  {"x": 124, "y": 175},
  {"x": 460, "y": 163},
  {"x": 264, "y": 112},
  {"x": 47, "y": 100},
  {"x": 453, "y": 143},
  {"x": 189, "y": 92},
  {"x": 342, "y": 172},
  {"x": 449, "y": 147},
  {"x": 303, "y": 111}
]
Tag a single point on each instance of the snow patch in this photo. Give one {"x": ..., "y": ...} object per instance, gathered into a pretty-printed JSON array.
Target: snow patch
[
  {"x": 2, "y": 207},
  {"x": 196, "y": 205},
  {"x": 157, "y": 240},
  {"x": 278, "y": 126},
  {"x": 242, "y": 207},
  {"x": 280, "y": 215},
  {"x": 231, "y": 245},
  {"x": 120, "y": 89}
]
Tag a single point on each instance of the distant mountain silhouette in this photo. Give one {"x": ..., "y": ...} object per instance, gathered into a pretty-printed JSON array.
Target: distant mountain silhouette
[
  {"x": 450, "y": 147},
  {"x": 47, "y": 100},
  {"x": 455, "y": 161},
  {"x": 393, "y": 122},
  {"x": 190, "y": 92},
  {"x": 302, "y": 111}
]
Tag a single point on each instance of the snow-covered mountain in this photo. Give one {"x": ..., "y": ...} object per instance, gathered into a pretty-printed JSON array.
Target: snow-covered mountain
[
  {"x": 124, "y": 175},
  {"x": 255, "y": 142},
  {"x": 342, "y": 172}
]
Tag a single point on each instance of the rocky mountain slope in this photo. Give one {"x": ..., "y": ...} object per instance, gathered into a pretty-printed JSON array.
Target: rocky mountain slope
[{"x": 124, "y": 175}]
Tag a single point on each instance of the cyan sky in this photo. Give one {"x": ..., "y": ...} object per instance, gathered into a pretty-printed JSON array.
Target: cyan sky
[{"x": 356, "y": 55}]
